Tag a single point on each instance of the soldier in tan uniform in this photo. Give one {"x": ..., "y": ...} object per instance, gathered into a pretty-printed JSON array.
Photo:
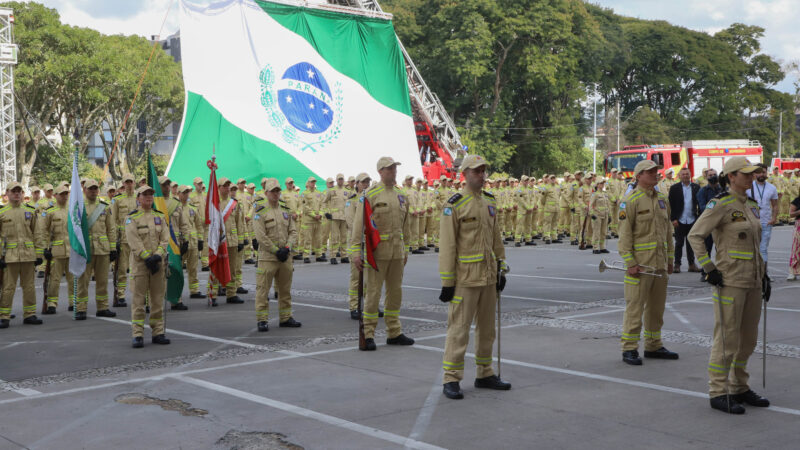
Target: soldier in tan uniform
[
  {"x": 198, "y": 200},
  {"x": 52, "y": 235},
  {"x": 291, "y": 198},
  {"x": 276, "y": 235},
  {"x": 576, "y": 209},
  {"x": 238, "y": 262},
  {"x": 390, "y": 214},
  {"x": 701, "y": 180},
  {"x": 548, "y": 204},
  {"x": 413, "y": 215},
  {"x": 19, "y": 256},
  {"x": 148, "y": 236},
  {"x": 180, "y": 227},
  {"x": 362, "y": 183},
  {"x": 564, "y": 205},
  {"x": 102, "y": 232},
  {"x": 191, "y": 218},
  {"x": 599, "y": 206},
  {"x": 471, "y": 251},
  {"x": 645, "y": 238},
  {"x": 737, "y": 274},
  {"x": 616, "y": 189},
  {"x": 232, "y": 219},
  {"x": 121, "y": 205},
  {"x": 335, "y": 198},
  {"x": 312, "y": 208}
]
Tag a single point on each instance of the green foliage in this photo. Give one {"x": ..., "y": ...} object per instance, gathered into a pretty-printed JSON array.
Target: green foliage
[
  {"x": 647, "y": 127},
  {"x": 159, "y": 161},
  {"x": 56, "y": 166}
]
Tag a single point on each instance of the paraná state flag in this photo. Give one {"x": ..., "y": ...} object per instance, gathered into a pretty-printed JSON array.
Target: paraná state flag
[{"x": 286, "y": 90}]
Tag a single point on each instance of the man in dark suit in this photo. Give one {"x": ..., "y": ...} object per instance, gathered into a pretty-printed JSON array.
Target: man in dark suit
[{"x": 684, "y": 212}]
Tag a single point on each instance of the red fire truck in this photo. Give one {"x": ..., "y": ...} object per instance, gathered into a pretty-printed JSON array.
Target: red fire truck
[
  {"x": 696, "y": 155},
  {"x": 436, "y": 161},
  {"x": 784, "y": 164}
]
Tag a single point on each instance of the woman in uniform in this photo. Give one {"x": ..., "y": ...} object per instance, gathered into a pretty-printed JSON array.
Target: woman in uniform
[
  {"x": 598, "y": 208},
  {"x": 736, "y": 274}
]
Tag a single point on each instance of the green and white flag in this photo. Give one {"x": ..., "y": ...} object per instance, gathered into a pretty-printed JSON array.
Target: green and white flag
[
  {"x": 80, "y": 252},
  {"x": 288, "y": 90}
]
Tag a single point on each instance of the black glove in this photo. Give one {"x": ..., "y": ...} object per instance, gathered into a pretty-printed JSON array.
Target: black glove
[
  {"x": 255, "y": 244},
  {"x": 766, "y": 287},
  {"x": 38, "y": 261},
  {"x": 282, "y": 254},
  {"x": 153, "y": 263},
  {"x": 572, "y": 210},
  {"x": 199, "y": 246},
  {"x": 184, "y": 248},
  {"x": 48, "y": 254},
  {"x": 118, "y": 246},
  {"x": 328, "y": 216},
  {"x": 714, "y": 277},
  {"x": 112, "y": 256},
  {"x": 594, "y": 217},
  {"x": 2, "y": 263},
  {"x": 240, "y": 247},
  {"x": 246, "y": 242},
  {"x": 447, "y": 293},
  {"x": 501, "y": 282}
]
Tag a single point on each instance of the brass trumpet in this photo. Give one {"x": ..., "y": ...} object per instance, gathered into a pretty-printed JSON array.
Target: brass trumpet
[{"x": 619, "y": 265}]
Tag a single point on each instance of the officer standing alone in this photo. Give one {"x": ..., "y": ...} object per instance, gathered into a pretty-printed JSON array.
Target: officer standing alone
[{"x": 470, "y": 249}]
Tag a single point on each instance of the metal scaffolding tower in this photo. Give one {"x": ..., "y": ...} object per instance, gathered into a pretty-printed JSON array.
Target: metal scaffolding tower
[
  {"x": 425, "y": 103},
  {"x": 8, "y": 58}
]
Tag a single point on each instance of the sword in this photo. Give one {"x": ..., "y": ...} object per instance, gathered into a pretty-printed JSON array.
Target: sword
[{"x": 766, "y": 292}]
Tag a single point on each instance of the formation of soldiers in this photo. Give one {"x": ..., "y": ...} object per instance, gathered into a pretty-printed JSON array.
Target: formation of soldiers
[{"x": 788, "y": 186}]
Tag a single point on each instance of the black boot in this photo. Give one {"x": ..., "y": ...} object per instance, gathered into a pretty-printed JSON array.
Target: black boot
[
  {"x": 120, "y": 303},
  {"x": 50, "y": 310},
  {"x": 306, "y": 260},
  {"x": 290, "y": 323},
  {"x": 159, "y": 339},
  {"x": 147, "y": 309},
  {"x": 334, "y": 261},
  {"x": 369, "y": 345},
  {"x": 417, "y": 252},
  {"x": 574, "y": 242},
  {"x": 595, "y": 252},
  {"x": 436, "y": 249},
  {"x": 235, "y": 299},
  {"x": 452, "y": 390},
  {"x": 751, "y": 398},
  {"x": 263, "y": 326},
  {"x": 661, "y": 353},
  {"x": 70, "y": 307},
  {"x": 40, "y": 274},
  {"x": 321, "y": 258},
  {"x": 138, "y": 342},
  {"x": 241, "y": 290},
  {"x": 204, "y": 269},
  {"x": 492, "y": 382},
  {"x": 33, "y": 320},
  {"x": 80, "y": 315},
  {"x": 354, "y": 314},
  {"x": 632, "y": 357},
  {"x": 726, "y": 404},
  {"x": 604, "y": 250},
  {"x": 105, "y": 313},
  {"x": 4, "y": 323},
  {"x": 548, "y": 241},
  {"x": 380, "y": 312},
  {"x": 214, "y": 302},
  {"x": 297, "y": 257},
  {"x": 345, "y": 260},
  {"x": 179, "y": 307},
  {"x": 402, "y": 339},
  {"x": 197, "y": 295},
  {"x": 518, "y": 244}
]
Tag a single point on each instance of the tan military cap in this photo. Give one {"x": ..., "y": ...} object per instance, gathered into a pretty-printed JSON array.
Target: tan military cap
[
  {"x": 566, "y": 174},
  {"x": 578, "y": 173},
  {"x": 523, "y": 178},
  {"x": 90, "y": 183},
  {"x": 409, "y": 177},
  {"x": 362, "y": 176},
  {"x": 311, "y": 179},
  {"x": 272, "y": 184},
  {"x": 614, "y": 170},
  {"x": 473, "y": 162},
  {"x": 251, "y": 186},
  {"x": 13, "y": 185},
  {"x": 164, "y": 179},
  {"x": 329, "y": 180},
  {"x": 145, "y": 189},
  {"x": 738, "y": 164},
  {"x": 419, "y": 181},
  {"x": 386, "y": 161},
  {"x": 351, "y": 178},
  {"x": 670, "y": 170},
  {"x": 47, "y": 187},
  {"x": 340, "y": 175},
  {"x": 223, "y": 181},
  {"x": 198, "y": 180},
  {"x": 62, "y": 189},
  {"x": 184, "y": 188},
  {"x": 643, "y": 165},
  {"x": 241, "y": 180},
  {"x": 143, "y": 178},
  {"x": 443, "y": 177},
  {"x": 34, "y": 189},
  {"x": 288, "y": 180}
]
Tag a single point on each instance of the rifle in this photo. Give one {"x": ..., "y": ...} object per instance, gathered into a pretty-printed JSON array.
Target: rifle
[
  {"x": 499, "y": 274},
  {"x": 582, "y": 245},
  {"x": 116, "y": 272},
  {"x": 766, "y": 293},
  {"x": 46, "y": 282}
]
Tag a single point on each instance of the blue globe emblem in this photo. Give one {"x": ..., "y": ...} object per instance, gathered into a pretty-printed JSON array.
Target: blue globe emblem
[{"x": 305, "y": 99}]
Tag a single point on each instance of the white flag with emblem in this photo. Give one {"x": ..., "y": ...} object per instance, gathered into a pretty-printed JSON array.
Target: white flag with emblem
[{"x": 79, "y": 252}]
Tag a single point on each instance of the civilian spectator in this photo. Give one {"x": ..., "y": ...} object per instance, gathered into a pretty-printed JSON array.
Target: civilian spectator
[
  {"x": 766, "y": 194},
  {"x": 794, "y": 257},
  {"x": 684, "y": 211}
]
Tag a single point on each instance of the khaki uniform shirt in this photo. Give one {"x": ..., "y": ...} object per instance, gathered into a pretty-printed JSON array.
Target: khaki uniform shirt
[
  {"x": 274, "y": 229},
  {"x": 548, "y": 200},
  {"x": 470, "y": 244},
  {"x": 52, "y": 231},
  {"x": 234, "y": 222},
  {"x": 335, "y": 199},
  {"x": 312, "y": 205},
  {"x": 390, "y": 212},
  {"x": 599, "y": 205},
  {"x": 122, "y": 205},
  {"x": 734, "y": 222},
  {"x": 147, "y": 234},
  {"x": 17, "y": 231},
  {"x": 645, "y": 231},
  {"x": 103, "y": 231}
]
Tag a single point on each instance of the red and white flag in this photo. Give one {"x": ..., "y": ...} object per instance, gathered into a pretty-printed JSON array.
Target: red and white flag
[
  {"x": 217, "y": 241},
  {"x": 371, "y": 235}
]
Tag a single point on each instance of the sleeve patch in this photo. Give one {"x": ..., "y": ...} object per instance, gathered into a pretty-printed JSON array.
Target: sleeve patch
[
  {"x": 128, "y": 220},
  {"x": 711, "y": 204},
  {"x": 447, "y": 211}
]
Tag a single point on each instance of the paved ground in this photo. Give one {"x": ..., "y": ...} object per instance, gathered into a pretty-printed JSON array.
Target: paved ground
[{"x": 223, "y": 385}]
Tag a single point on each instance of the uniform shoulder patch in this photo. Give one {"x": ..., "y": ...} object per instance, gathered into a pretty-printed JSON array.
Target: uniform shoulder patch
[
  {"x": 103, "y": 202},
  {"x": 51, "y": 209},
  {"x": 486, "y": 193},
  {"x": 133, "y": 212},
  {"x": 722, "y": 195},
  {"x": 28, "y": 206},
  {"x": 259, "y": 207},
  {"x": 351, "y": 196},
  {"x": 452, "y": 200}
]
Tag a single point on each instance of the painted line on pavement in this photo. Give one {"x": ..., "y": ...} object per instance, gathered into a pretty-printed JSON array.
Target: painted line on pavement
[
  {"x": 11, "y": 387},
  {"x": 503, "y": 296},
  {"x": 595, "y": 376},
  {"x": 770, "y": 308},
  {"x": 332, "y": 308},
  {"x": 193, "y": 335},
  {"x": 587, "y": 280},
  {"x": 428, "y": 407},
  {"x": 324, "y": 418},
  {"x": 683, "y": 320},
  {"x": 575, "y": 316}
]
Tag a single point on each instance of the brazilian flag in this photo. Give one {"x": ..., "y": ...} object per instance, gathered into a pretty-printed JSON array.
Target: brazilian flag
[{"x": 174, "y": 264}]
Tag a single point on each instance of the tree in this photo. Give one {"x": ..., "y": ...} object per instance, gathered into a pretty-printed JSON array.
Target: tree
[{"x": 647, "y": 127}]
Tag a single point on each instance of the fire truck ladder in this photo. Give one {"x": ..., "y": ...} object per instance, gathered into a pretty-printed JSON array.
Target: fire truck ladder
[{"x": 426, "y": 104}]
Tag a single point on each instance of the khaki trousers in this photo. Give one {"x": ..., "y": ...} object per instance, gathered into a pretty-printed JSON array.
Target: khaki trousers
[
  {"x": 100, "y": 264},
  {"x": 599, "y": 226},
  {"x": 535, "y": 229},
  {"x": 414, "y": 230},
  {"x": 519, "y": 230},
  {"x": 123, "y": 259},
  {"x": 24, "y": 272},
  {"x": 311, "y": 235},
  {"x": 433, "y": 229},
  {"x": 281, "y": 273},
  {"x": 576, "y": 225},
  {"x": 741, "y": 313},
  {"x": 352, "y": 291},
  {"x": 233, "y": 259},
  {"x": 563, "y": 219},
  {"x": 324, "y": 235},
  {"x": 190, "y": 259},
  {"x": 549, "y": 224},
  {"x": 59, "y": 267},
  {"x": 614, "y": 220},
  {"x": 644, "y": 295},
  {"x": 470, "y": 304},
  {"x": 143, "y": 283},
  {"x": 390, "y": 273},
  {"x": 338, "y": 237},
  {"x": 239, "y": 263}
]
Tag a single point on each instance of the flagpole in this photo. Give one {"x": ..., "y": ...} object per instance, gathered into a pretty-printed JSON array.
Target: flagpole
[{"x": 74, "y": 278}]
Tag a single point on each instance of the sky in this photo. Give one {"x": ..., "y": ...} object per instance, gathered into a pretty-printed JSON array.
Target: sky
[{"x": 779, "y": 18}]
